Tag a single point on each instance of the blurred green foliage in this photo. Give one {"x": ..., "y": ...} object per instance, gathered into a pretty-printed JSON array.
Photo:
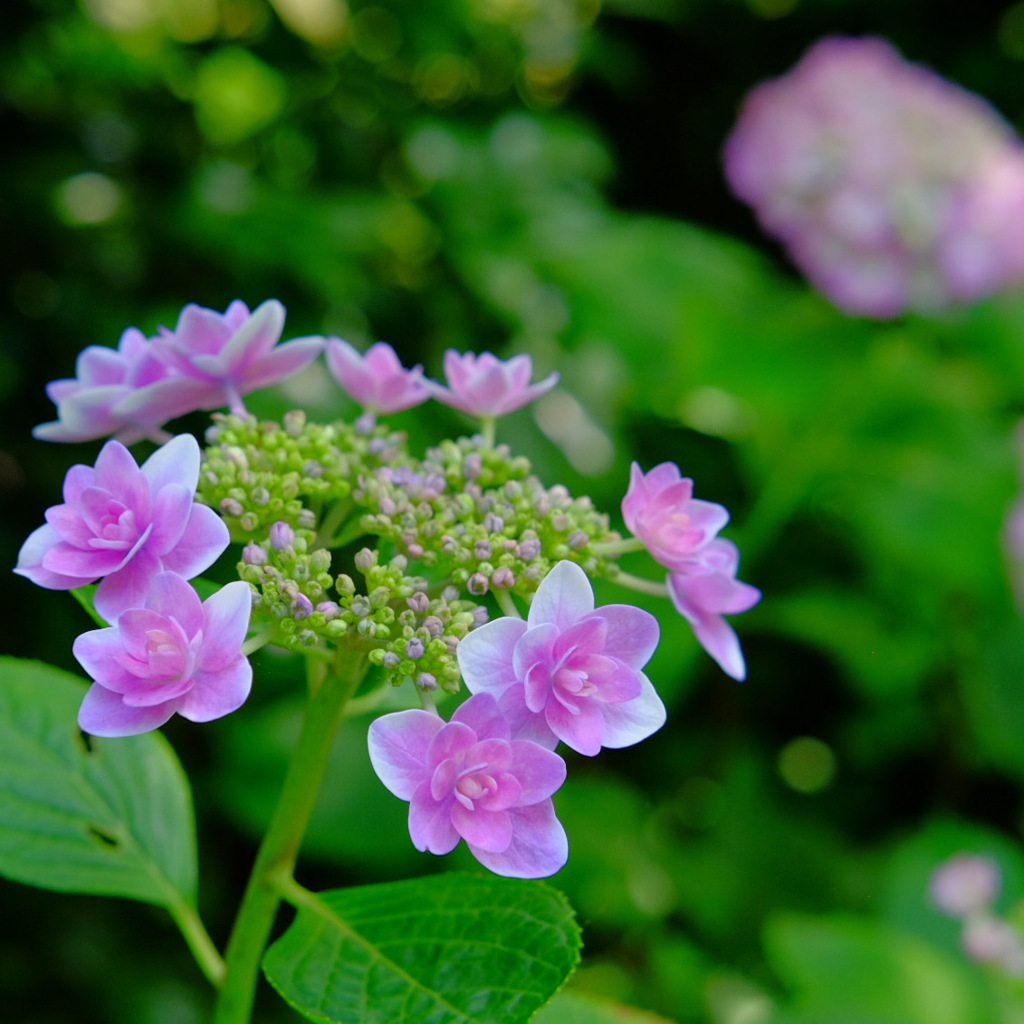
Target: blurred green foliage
[{"x": 542, "y": 176}]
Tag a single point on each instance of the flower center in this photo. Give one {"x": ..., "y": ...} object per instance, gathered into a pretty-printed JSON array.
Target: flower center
[
  {"x": 474, "y": 784},
  {"x": 116, "y": 528}
]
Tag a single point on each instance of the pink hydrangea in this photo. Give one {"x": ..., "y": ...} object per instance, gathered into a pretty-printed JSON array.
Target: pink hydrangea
[
  {"x": 485, "y": 386},
  {"x": 89, "y": 405},
  {"x": 660, "y": 510},
  {"x": 376, "y": 380},
  {"x": 219, "y": 357},
  {"x": 469, "y": 779},
  {"x": 710, "y": 591},
  {"x": 122, "y": 524},
  {"x": 570, "y": 672},
  {"x": 172, "y": 654},
  {"x": 892, "y": 188}
]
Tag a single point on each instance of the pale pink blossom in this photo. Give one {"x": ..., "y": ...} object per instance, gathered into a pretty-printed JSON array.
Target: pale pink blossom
[
  {"x": 174, "y": 654},
  {"x": 122, "y": 524},
  {"x": 710, "y": 591},
  {"x": 570, "y": 672},
  {"x": 891, "y": 187},
  {"x": 660, "y": 510},
  {"x": 89, "y": 404},
  {"x": 485, "y": 386},
  {"x": 376, "y": 380},
  {"x": 219, "y": 357},
  {"x": 470, "y": 779}
]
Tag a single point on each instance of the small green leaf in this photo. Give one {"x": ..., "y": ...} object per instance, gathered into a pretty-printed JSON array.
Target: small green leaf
[
  {"x": 448, "y": 949},
  {"x": 84, "y": 596},
  {"x": 83, "y": 814}
]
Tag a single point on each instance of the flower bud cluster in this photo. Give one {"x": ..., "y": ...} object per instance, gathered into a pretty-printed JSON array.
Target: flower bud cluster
[
  {"x": 478, "y": 514},
  {"x": 258, "y": 473}
]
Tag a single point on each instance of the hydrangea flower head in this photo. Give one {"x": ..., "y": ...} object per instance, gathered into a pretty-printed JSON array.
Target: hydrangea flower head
[
  {"x": 376, "y": 380},
  {"x": 89, "y": 405},
  {"x": 469, "y": 779},
  {"x": 706, "y": 594},
  {"x": 219, "y": 357},
  {"x": 659, "y": 509},
  {"x": 174, "y": 654},
  {"x": 486, "y": 386},
  {"x": 570, "y": 672},
  {"x": 892, "y": 188},
  {"x": 122, "y": 524}
]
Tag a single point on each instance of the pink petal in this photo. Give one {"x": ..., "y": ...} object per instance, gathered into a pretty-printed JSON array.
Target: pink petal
[
  {"x": 633, "y": 720},
  {"x": 487, "y": 830},
  {"x": 176, "y": 462},
  {"x": 582, "y": 729},
  {"x": 254, "y": 338},
  {"x": 564, "y": 596},
  {"x": 398, "y": 744},
  {"x": 30, "y": 561},
  {"x": 633, "y": 633},
  {"x": 104, "y": 714},
  {"x": 205, "y": 539},
  {"x": 134, "y": 626},
  {"x": 171, "y": 596},
  {"x": 539, "y": 846},
  {"x": 430, "y": 823},
  {"x": 115, "y": 468},
  {"x": 540, "y": 771},
  {"x": 215, "y": 694},
  {"x": 522, "y": 722},
  {"x": 450, "y": 741},
  {"x": 82, "y": 563},
  {"x": 282, "y": 362},
  {"x": 171, "y": 509},
  {"x": 68, "y": 522},
  {"x": 168, "y": 399},
  {"x": 99, "y": 652},
  {"x": 227, "y": 615},
  {"x": 485, "y": 655},
  {"x": 78, "y": 478},
  {"x": 481, "y": 714},
  {"x": 127, "y": 587}
]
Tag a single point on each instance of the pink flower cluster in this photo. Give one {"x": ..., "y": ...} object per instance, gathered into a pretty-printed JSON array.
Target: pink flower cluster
[
  {"x": 138, "y": 530},
  {"x": 680, "y": 531},
  {"x": 208, "y": 361},
  {"x": 570, "y": 672},
  {"x": 478, "y": 385},
  {"x": 892, "y": 188}
]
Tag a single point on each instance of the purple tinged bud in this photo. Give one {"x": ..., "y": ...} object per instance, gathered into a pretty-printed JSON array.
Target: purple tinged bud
[
  {"x": 294, "y": 422},
  {"x": 529, "y": 549},
  {"x": 390, "y": 660},
  {"x": 426, "y": 681},
  {"x": 482, "y": 549},
  {"x": 418, "y": 602},
  {"x": 387, "y": 507},
  {"x": 493, "y": 523},
  {"x": 472, "y": 465},
  {"x": 578, "y": 539},
  {"x": 503, "y": 578},
  {"x": 281, "y": 535},
  {"x": 414, "y": 648},
  {"x": 302, "y": 607},
  {"x": 260, "y": 496},
  {"x": 364, "y": 560},
  {"x": 377, "y": 446},
  {"x": 360, "y": 606},
  {"x": 477, "y": 584},
  {"x": 253, "y": 554},
  {"x": 414, "y": 550},
  {"x": 307, "y": 519},
  {"x": 433, "y": 625},
  {"x": 231, "y": 507},
  {"x": 330, "y": 609},
  {"x": 480, "y": 616},
  {"x": 365, "y": 423}
]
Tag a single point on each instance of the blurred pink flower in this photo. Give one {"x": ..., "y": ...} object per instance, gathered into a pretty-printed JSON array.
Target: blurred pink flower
[
  {"x": 468, "y": 779},
  {"x": 173, "y": 654},
  {"x": 104, "y": 377},
  {"x": 485, "y": 386},
  {"x": 704, "y": 596},
  {"x": 376, "y": 380},
  {"x": 891, "y": 187},
  {"x": 965, "y": 884},
  {"x": 122, "y": 524},
  {"x": 570, "y": 672},
  {"x": 219, "y": 357},
  {"x": 659, "y": 509}
]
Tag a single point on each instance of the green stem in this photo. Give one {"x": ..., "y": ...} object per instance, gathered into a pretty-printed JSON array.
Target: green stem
[
  {"x": 334, "y": 518},
  {"x": 487, "y": 425},
  {"x": 199, "y": 941},
  {"x": 280, "y": 846},
  {"x": 627, "y": 579},
  {"x": 612, "y": 548},
  {"x": 506, "y": 604}
]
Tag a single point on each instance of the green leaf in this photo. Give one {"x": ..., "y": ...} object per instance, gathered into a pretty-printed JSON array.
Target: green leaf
[
  {"x": 105, "y": 816},
  {"x": 578, "y": 1008},
  {"x": 448, "y": 949}
]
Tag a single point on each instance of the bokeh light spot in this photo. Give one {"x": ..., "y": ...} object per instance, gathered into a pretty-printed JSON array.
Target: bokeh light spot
[
  {"x": 88, "y": 198},
  {"x": 807, "y": 765}
]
